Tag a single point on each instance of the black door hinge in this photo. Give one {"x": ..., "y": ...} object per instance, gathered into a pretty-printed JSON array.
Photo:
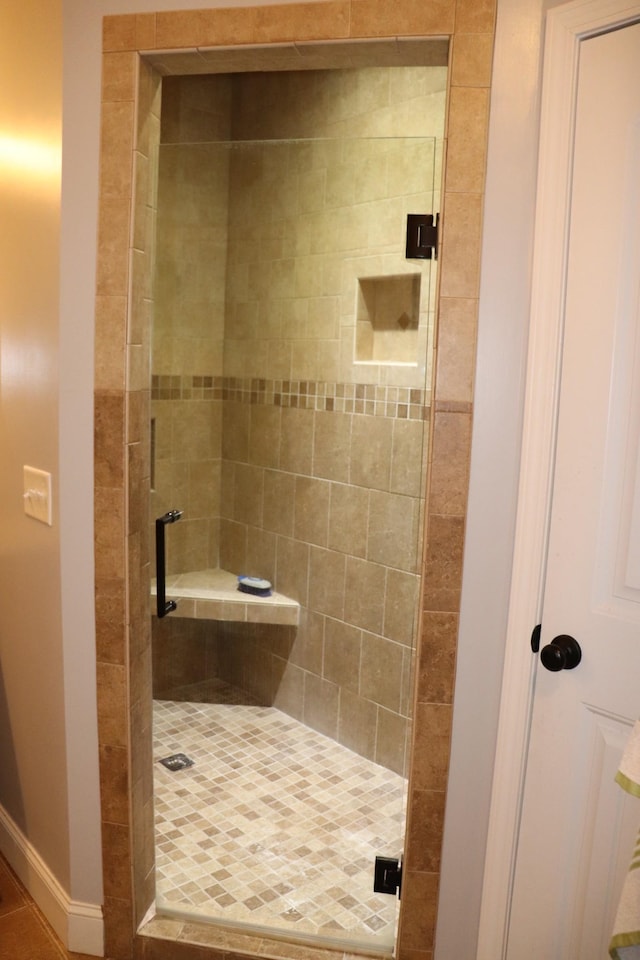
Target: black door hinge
[
  {"x": 422, "y": 236},
  {"x": 387, "y": 876}
]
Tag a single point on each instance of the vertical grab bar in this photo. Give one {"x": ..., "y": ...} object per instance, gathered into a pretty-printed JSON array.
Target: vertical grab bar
[{"x": 164, "y": 606}]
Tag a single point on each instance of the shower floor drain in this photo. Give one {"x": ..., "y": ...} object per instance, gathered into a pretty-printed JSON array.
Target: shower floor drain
[{"x": 177, "y": 761}]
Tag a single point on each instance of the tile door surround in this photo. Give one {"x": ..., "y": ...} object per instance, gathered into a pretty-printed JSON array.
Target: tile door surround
[{"x": 121, "y": 404}]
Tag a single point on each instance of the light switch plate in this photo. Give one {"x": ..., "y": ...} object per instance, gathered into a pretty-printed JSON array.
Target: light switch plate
[{"x": 37, "y": 494}]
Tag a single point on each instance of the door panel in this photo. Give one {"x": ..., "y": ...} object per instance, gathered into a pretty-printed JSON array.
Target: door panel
[
  {"x": 611, "y": 820},
  {"x": 618, "y": 564},
  {"x": 577, "y": 829}
]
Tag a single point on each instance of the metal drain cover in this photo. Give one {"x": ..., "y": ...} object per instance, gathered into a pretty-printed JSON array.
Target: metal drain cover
[{"x": 177, "y": 761}]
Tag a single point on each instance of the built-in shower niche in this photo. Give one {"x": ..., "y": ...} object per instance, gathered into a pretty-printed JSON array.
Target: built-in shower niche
[{"x": 387, "y": 319}]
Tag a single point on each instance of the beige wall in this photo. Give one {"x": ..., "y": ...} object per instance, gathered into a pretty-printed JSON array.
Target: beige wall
[
  {"x": 48, "y": 727},
  {"x": 33, "y": 791}
]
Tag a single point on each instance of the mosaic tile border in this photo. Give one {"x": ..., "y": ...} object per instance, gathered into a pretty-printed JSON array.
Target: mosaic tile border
[{"x": 369, "y": 399}]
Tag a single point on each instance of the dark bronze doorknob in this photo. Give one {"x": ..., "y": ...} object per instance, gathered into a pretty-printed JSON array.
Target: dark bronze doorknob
[{"x": 563, "y": 653}]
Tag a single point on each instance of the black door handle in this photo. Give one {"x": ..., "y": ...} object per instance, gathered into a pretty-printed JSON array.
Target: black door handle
[
  {"x": 164, "y": 606},
  {"x": 563, "y": 653}
]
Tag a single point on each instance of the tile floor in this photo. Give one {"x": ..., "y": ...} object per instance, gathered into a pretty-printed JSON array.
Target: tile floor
[
  {"x": 24, "y": 933},
  {"x": 274, "y": 826}
]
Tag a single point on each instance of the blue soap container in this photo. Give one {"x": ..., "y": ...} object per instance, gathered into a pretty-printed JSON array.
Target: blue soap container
[{"x": 254, "y": 585}]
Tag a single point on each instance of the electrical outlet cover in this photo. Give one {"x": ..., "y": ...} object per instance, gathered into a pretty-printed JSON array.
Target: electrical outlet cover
[{"x": 37, "y": 494}]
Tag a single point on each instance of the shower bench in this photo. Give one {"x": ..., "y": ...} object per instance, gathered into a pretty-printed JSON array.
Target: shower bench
[{"x": 213, "y": 595}]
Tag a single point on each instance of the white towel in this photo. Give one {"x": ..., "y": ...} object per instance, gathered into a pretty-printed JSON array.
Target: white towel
[{"x": 625, "y": 942}]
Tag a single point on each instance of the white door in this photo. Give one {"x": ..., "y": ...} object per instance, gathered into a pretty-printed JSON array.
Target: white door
[{"x": 577, "y": 826}]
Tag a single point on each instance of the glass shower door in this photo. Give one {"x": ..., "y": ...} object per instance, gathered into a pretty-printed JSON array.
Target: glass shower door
[{"x": 290, "y": 401}]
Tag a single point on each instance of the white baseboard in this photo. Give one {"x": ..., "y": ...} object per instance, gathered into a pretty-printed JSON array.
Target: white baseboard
[{"x": 79, "y": 925}]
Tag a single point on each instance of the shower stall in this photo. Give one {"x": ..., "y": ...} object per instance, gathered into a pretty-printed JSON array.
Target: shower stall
[{"x": 290, "y": 402}]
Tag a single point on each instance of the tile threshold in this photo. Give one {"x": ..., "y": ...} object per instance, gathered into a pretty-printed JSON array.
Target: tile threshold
[
  {"x": 225, "y": 939},
  {"x": 213, "y": 594}
]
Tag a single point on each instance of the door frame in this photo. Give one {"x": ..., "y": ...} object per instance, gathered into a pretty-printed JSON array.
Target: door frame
[{"x": 566, "y": 27}]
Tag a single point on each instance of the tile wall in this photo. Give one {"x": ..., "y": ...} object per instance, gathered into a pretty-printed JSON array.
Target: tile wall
[
  {"x": 122, "y": 483},
  {"x": 122, "y": 378},
  {"x": 315, "y": 455},
  {"x": 189, "y": 316}
]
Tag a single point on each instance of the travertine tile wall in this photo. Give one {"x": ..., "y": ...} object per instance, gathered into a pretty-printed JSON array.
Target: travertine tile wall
[
  {"x": 188, "y": 325},
  {"x": 185, "y": 657},
  {"x": 122, "y": 509},
  {"x": 310, "y": 218},
  {"x": 306, "y": 488},
  {"x": 122, "y": 458}
]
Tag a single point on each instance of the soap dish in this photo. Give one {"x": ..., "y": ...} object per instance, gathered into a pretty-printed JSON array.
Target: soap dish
[{"x": 254, "y": 585}]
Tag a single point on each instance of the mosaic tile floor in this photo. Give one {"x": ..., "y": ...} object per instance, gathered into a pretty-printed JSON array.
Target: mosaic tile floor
[{"x": 274, "y": 826}]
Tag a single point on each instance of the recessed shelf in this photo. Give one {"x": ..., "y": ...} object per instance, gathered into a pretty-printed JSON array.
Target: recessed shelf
[{"x": 387, "y": 319}]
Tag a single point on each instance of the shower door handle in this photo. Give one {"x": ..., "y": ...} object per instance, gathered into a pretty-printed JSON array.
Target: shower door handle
[{"x": 164, "y": 606}]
